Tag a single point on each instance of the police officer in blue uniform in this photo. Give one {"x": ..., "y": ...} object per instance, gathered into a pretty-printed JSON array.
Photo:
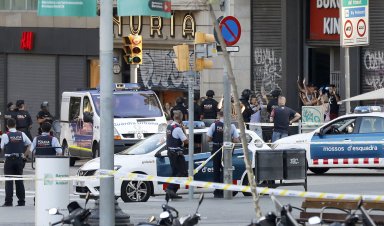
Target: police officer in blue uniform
[
  {"x": 23, "y": 119},
  {"x": 14, "y": 144},
  {"x": 45, "y": 144},
  {"x": 216, "y": 135},
  {"x": 176, "y": 139},
  {"x": 209, "y": 106}
]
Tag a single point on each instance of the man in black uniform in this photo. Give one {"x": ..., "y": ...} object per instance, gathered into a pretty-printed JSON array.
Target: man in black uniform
[
  {"x": 44, "y": 116},
  {"x": 180, "y": 107},
  {"x": 247, "y": 112},
  {"x": 209, "y": 106},
  {"x": 14, "y": 145},
  {"x": 10, "y": 113},
  {"x": 23, "y": 119},
  {"x": 216, "y": 135},
  {"x": 176, "y": 139}
]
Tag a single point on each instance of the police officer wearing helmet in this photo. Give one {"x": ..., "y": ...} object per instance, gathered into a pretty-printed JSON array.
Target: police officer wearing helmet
[
  {"x": 14, "y": 144},
  {"x": 23, "y": 119},
  {"x": 44, "y": 116},
  {"x": 45, "y": 144},
  {"x": 216, "y": 135},
  {"x": 180, "y": 107},
  {"x": 209, "y": 106},
  {"x": 176, "y": 139}
]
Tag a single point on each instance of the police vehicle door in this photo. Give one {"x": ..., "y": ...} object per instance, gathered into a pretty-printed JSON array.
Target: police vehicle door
[{"x": 333, "y": 140}]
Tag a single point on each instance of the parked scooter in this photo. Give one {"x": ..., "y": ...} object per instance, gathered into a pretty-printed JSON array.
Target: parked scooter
[
  {"x": 170, "y": 216},
  {"x": 77, "y": 215}
]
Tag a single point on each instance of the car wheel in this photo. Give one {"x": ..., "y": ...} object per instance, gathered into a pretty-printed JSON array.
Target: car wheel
[
  {"x": 246, "y": 183},
  {"x": 319, "y": 171},
  {"x": 135, "y": 191},
  {"x": 95, "y": 150},
  {"x": 72, "y": 160}
]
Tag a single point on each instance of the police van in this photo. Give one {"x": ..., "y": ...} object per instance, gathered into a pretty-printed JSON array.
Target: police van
[{"x": 137, "y": 115}]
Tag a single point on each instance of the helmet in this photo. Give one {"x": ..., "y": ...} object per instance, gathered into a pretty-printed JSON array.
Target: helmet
[
  {"x": 210, "y": 93},
  {"x": 246, "y": 93},
  {"x": 19, "y": 103},
  {"x": 276, "y": 93},
  {"x": 44, "y": 104}
]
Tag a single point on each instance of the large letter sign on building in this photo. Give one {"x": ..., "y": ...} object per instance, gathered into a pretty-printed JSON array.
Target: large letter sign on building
[{"x": 354, "y": 22}]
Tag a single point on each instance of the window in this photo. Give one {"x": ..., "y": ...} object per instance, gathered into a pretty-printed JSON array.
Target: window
[
  {"x": 18, "y": 5},
  {"x": 87, "y": 107},
  {"x": 343, "y": 126},
  {"x": 74, "y": 108},
  {"x": 371, "y": 125}
]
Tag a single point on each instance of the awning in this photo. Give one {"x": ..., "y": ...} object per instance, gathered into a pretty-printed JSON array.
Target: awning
[{"x": 373, "y": 95}]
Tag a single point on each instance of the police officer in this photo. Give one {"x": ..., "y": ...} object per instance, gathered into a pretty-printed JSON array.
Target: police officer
[
  {"x": 247, "y": 110},
  {"x": 216, "y": 135},
  {"x": 209, "y": 106},
  {"x": 176, "y": 139},
  {"x": 180, "y": 107},
  {"x": 14, "y": 144},
  {"x": 44, "y": 116},
  {"x": 45, "y": 144},
  {"x": 23, "y": 119},
  {"x": 9, "y": 113}
]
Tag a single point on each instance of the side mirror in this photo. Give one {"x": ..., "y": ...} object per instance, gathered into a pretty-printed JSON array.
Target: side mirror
[
  {"x": 161, "y": 154},
  {"x": 88, "y": 117},
  {"x": 258, "y": 143}
]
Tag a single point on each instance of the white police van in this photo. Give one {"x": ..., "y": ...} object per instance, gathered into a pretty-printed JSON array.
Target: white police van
[{"x": 137, "y": 115}]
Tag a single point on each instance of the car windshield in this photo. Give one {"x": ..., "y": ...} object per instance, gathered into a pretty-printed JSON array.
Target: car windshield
[
  {"x": 146, "y": 146},
  {"x": 132, "y": 105}
]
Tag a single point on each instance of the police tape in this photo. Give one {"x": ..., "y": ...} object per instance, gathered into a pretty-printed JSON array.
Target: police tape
[{"x": 203, "y": 184}]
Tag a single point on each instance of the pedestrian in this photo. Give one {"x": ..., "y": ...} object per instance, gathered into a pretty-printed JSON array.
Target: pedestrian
[
  {"x": 176, "y": 140},
  {"x": 334, "y": 98},
  {"x": 257, "y": 107},
  {"x": 215, "y": 134},
  {"x": 9, "y": 113},
  {"x": 209, "y": 106},
  {"x": 45, "y": 144},
  {"x": 14, "y": 144},
  {"x": 325, "y": 107},
  {"x": 44, "y": 116},
  {"x": 23, "y": 119},
  {"x": 282, "y": 116},
  {"x": 246, "y": 109},
  {"x": 167, "y": 111},
  {"x": 180, "y": 107}
]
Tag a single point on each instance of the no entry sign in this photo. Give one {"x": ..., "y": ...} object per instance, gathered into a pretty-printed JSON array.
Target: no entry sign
[{"x": 231, "y": 30}]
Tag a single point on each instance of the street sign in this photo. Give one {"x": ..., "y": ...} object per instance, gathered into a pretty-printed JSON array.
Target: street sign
[
  {"x": 230, "y": 49},
  {"x": 231, "y": 30},
  {"x": 354, "y": 22},
  {"x": 83, "y": 8},
  {"x": 144, "y": 8}
]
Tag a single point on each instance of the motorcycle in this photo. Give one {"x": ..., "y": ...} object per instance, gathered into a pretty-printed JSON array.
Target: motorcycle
[
  {"x": 170, "y": 216},
  {"x": 77, "y": 215}
]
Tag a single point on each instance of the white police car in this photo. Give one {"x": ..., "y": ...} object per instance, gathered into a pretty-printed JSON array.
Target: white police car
[
  {"x": 349, "y": 141},
  {"x": 142, "y": 158}
]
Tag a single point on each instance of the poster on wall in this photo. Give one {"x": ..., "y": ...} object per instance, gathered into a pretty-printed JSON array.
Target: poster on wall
[{"x": 81, "y": 8}]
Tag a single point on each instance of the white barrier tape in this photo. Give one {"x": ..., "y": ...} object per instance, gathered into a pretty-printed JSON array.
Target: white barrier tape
[
  {"x": 205, "y": 162},
  {"x": 203, "y": 184}
]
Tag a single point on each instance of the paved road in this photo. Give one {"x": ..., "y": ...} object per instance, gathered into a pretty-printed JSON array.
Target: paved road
[{"x": 238, "y": 211}]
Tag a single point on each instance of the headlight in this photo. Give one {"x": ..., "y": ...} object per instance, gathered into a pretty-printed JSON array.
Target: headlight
[
  {"x": 162, "y": 128},
  {"x": 116, "y": 134}
]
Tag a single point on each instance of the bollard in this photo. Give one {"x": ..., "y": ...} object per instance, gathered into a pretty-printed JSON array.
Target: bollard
[{"x": 51, "y": 193}]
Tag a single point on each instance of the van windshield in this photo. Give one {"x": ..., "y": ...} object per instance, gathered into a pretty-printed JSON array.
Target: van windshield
[
  {"x": 146, "y": 146},
  {"x": 132, "y": 105}
]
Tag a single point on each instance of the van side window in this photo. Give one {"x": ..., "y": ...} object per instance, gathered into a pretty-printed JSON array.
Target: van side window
[
  {"x": 87, "y": 107},
  {"x": 74, "y": 108}
]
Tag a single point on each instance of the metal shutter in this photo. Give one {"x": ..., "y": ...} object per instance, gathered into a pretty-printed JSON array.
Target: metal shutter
[
  {"x": 72, "y": 73},
  {"x": 267, "y": 45},
  {"x": 33, "y": 79},
  {"x": 372, "y": 56}
]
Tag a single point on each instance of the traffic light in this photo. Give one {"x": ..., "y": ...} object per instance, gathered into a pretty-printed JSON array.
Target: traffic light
[
  {"x": 182, "y": 57},
  {"x": 205, "y": 47},
  {"x": 133, "y": 49}
]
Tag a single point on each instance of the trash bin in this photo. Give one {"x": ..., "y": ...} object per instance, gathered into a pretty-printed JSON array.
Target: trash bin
[
  {"x": 295, "y": 166},
  {"x": 269, "y": 165}
]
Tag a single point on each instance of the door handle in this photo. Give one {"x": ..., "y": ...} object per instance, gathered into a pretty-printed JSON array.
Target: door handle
[{"x": 347, "y": 140}]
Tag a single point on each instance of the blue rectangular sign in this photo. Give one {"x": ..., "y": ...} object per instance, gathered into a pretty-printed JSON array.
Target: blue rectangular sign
[{"x": 355, "y": 12}]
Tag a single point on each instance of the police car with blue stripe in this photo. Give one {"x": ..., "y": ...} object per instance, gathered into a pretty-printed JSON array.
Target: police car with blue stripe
[
  {"x": 350, "y": 141},
  {"x": 149, "y": 157}
]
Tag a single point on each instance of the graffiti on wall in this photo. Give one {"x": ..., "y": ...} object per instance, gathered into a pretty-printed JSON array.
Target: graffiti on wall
[
  {"x": 374, "y": 64},
  {"x": 158, "y": 70},
  {"x": 268, "y": 69}
]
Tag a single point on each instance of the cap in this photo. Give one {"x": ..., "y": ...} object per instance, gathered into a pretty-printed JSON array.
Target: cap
[
  {"x": 44, "y": 104},
  {"x": 19, "y": 103},
  {"x": 210, "y": 93}
]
